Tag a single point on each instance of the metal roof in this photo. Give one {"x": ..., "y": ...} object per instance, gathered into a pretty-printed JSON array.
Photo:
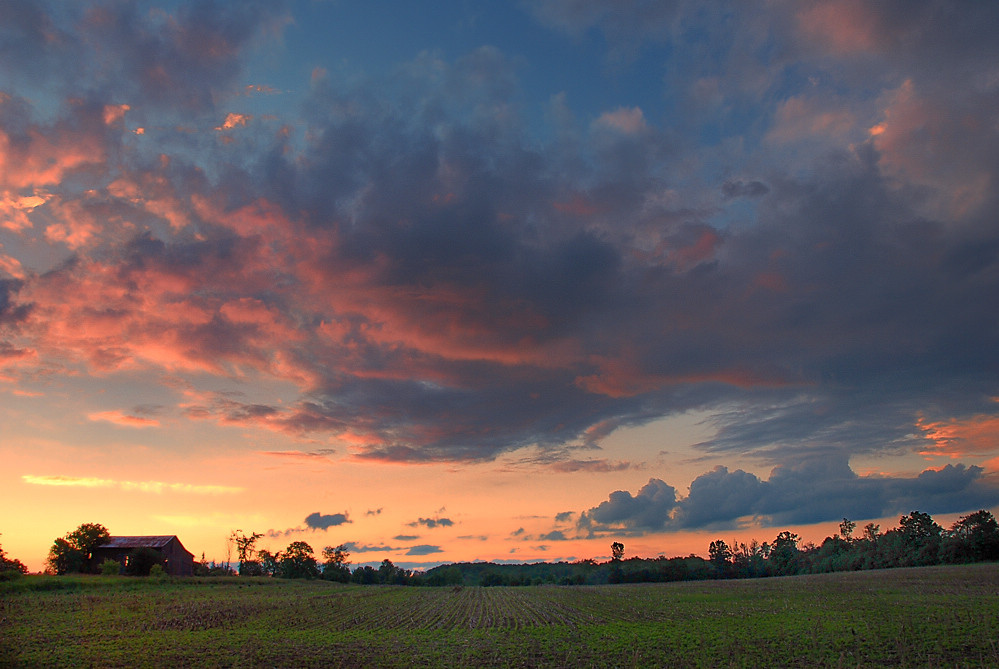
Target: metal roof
[{"x": 138, "y": 542}]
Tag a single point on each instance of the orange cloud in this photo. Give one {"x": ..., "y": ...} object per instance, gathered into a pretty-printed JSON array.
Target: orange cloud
[
  {"x": 14, "y": 209},
  {"x": 978, "y": 435},
  {"x": 233, "y": 120},
  {"x": 114, "y": 113},
  {"x": 123, "y": 419},
  {"x": 11, "y": 266},
  {"x": 156, "y": 487}
]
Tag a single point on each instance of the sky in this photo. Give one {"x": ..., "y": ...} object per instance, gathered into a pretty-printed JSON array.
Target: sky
[{"x": 496, "y": 280}]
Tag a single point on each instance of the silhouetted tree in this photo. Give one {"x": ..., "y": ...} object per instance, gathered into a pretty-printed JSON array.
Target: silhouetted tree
[
  {"x": 336, "y": 567},
  {"x": 973, "y": 538},
  {"x": 846, "y": 528},
  {"x": 270, "y": 563},
  {"x": 617, "y": 550},
  {"x": 10, "y": 566},
  {"x": 921, "y": 537},
  {"x": 248, "y": 565},
  {"x": 298, "y": 561},
  {"x": 783, "y": 553},
  {"x": 73, "y": 553},
  {"x": 720, "y": 555}
]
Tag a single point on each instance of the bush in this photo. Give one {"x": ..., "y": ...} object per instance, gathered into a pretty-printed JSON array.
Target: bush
[
  {"x": 110, "y": 567},
  {"x": 157, "y": 572},
  {"x": 141, "y": 561}
]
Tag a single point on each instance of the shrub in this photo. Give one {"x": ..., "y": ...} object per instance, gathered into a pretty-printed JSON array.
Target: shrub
[
  {"x": 142, "y": 560},
  {"x": 110, "y": 567},
  {"x": 157, "y": 572}
]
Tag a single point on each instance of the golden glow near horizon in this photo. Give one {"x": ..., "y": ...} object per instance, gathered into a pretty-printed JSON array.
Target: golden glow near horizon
[{"x": 404, "y": 280}]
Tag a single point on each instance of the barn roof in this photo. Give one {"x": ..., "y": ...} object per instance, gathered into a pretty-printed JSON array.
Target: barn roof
[{"x": 139, "y": 542}]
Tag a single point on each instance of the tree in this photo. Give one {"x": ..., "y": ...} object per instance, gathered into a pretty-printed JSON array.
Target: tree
[
  {"x": 248, "y": 566},
  {"x": 10, "y": 565},
  {"x": 783, "y": 553},
  {"x": 73, "y": 553},
  {"x": 973, "y": 538},
  {"x": 298, "y": 561},
  {"x": 846, "y": 529},
  {"x": 617, "y": 550},
  {"x": 720, "y": 555},
  {"x": 270, "y": 563},
  {"x": 389, "y": 574},
  {"x": 335, "y": 564},
  {"x": 921, "y": 537}
]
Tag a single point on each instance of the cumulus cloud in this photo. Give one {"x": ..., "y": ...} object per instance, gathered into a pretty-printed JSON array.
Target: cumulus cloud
[
  {"x": 318, "y": 521},
  {"x": 817, "y": 490}
]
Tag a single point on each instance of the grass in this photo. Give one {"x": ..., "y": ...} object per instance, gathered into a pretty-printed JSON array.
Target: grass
[{"x": 928, "y": 617}]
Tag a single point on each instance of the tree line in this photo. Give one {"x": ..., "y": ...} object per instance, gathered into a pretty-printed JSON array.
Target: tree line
[{"x": 917, "y": 541}]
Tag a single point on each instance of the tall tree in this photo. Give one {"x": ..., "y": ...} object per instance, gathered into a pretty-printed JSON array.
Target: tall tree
[
  {"x": 973, "y": 538},
  {"x": 921, "y": 537},
  {"x": 248, "y": 565},
  {"x": 783, "y": 553},
  {"x": 335, "y": 563},
  {"x": 298, "y": 561},
  {"x": 73, "y": 552}
]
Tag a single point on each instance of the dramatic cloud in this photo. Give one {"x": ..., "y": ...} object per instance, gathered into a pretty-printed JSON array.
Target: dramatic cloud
[
  {"x": 810, "y": 492},
  {"x": 317, "y": 521},
  {"x": 780, "y": 216}
]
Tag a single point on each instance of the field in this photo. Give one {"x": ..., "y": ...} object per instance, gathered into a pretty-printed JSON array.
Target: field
[{"x": 927, "y": 617}]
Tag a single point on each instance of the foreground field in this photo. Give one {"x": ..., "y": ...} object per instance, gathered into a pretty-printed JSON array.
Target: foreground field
[{"x": 934, "y": 616}]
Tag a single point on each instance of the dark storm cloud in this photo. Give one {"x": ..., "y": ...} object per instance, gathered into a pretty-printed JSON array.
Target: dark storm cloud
[
  {"x": 442, "y": 282},
  {"x": 318, "y": 521},
  {"x": 180, "y": 60},
  {"x": 821, "y": 489},
  {"x": 10, "y": 310},
  {"x": 731, "y": 189}
]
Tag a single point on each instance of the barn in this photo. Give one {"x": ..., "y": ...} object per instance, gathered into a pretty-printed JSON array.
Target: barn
[{"x": 179, "y": 560}]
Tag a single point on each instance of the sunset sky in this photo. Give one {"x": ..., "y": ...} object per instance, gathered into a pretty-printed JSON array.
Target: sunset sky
[{"x": 497, "y": 280}]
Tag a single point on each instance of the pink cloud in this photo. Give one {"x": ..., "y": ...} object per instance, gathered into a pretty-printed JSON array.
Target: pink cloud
[
  {"x": 803, "y": 118},
  {"x": 630, "y": 121},
  {"x": 123, "y": 419},
  {"x": 842, "y": 26}
]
